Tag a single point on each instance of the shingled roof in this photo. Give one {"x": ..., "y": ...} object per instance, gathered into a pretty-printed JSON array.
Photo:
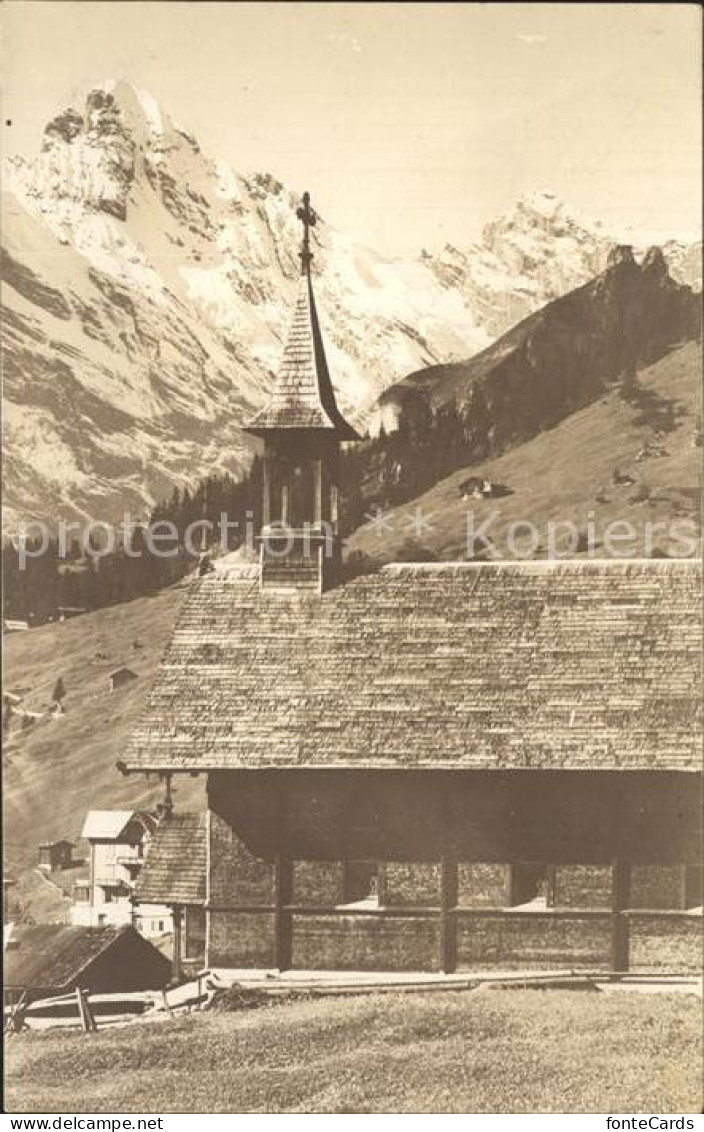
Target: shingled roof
[
  {"x": 585, "y": 665},
  {"x": 303, "y": 396},
  {"x": 175, "y": 865}
]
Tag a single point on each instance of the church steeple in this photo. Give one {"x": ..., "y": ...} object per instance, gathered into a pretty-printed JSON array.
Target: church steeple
[
  {"x": 303, "y": 396},
  {"x": 302, "y": 428}
]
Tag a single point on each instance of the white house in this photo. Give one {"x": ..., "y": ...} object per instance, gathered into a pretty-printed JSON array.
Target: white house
[{"x": 118, "y": 841}]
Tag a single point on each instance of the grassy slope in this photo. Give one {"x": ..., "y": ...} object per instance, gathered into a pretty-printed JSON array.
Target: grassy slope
[
  {"x": 560, "y": 473},
  {"x": 61, "y": 767},
  {"x": 496, "y": 1051}
]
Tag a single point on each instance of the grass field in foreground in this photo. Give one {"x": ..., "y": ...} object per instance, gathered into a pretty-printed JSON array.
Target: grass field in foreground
[{"x": 481, "y": 1051}]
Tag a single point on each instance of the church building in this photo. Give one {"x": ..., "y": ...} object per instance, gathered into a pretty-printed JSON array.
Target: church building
[{"x": 437, "y": 766}]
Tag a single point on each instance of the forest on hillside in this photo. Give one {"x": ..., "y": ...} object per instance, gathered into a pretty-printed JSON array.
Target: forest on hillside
[{"x": 379, "y": 472}]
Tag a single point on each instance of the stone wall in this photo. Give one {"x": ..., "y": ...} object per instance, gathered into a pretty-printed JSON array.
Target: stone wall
[
  {"x": 582, "y": 886},
  {"x": 365, "y": 943},
  {"x": 241, "y": 939},
  {"x": 539, "y": 940},
  {"x": 485, "y": 886},
  {"x": 237, "y": 875},
  {"x": 657, "y": 886},
  {"x": 318, "y": 883},
  {"x": 665, "y": 942},
  {"x": 408, "y": 884},
  {"x": 194, "y": 933}
]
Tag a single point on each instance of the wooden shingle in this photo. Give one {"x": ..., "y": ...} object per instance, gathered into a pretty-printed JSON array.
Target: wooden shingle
[
  {"x": 552, "y": 665},
  {"x": 175, "y": 865},
  {"x": 303, "y": 396}
]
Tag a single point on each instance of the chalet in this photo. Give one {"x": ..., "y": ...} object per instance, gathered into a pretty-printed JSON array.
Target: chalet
[
  {"x": 117, "y": 841},
  {"x": 53, "y": 959},
  {"x": 55, "y": 855},
  {"x": 120, "y": 677},
  {"x": 174, "y": 873},
  {"x": 446, "y": 766}
]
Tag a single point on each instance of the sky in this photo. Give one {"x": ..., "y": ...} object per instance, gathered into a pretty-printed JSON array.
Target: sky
[{"x": 411, "y": 124}]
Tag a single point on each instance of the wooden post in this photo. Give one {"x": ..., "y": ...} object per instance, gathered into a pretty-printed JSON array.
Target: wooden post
[
  {"x": 334, "y": 507},
  {"x": 89, "y": 1011},
  {"x": 168, "y": 803},
  {"x": 176, "y": 914},
  {"x": 448, "y": 920},
  {"x": 282, "y": 918},
  {"x": 550, "y": 885},
  {"x": 381, "y": 885},
  {"x": 266, "y": 493},
  {"x": 91, "y": 874},
  {"x": 620, "y": 899},
  {"x": 167, "y": 1006},
  {"x": 84, "y": 1011},
  {"x": 318, "y": 504},
  {"x": 81, "y": 1011},
  {"x": 511, "y": 886},
  {"x": 14, "y": 1022}
]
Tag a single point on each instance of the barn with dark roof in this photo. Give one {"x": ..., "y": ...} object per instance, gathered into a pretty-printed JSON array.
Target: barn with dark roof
[
  {"x": 51, "y": 959},
  {"x": 435, "y": 766}
]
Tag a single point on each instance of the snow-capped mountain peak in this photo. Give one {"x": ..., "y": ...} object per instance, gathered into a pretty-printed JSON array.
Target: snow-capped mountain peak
[
  {"x": 151, "y": 287},
  {"x": 148, "y": 289}
]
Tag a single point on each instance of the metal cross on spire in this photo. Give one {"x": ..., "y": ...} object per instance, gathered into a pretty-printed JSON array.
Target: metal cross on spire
[{"x": 308, "y": 219}]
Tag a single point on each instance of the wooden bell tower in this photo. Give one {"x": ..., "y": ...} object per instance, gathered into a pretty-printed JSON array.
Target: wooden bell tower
[{"x": 302, "y": 429}]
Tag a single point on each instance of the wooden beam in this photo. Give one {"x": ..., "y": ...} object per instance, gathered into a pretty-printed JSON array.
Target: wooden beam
[
  {"x": 448, "y": 920},
  {"x": 283, "y": 876},
  {"x": 620, "y": 900},
  {"x": 266, "y": 492},
  {"x": 176, "y": 913}
]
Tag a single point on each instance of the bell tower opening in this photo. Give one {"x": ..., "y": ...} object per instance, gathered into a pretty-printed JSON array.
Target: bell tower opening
[{"x": 302, "y": 429}]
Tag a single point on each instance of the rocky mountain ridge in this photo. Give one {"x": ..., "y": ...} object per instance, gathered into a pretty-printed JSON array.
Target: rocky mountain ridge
[{"x": 554, "y": 362}]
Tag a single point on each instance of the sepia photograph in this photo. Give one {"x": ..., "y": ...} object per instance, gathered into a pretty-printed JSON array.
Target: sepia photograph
[{"x": 351, "y": 562}]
